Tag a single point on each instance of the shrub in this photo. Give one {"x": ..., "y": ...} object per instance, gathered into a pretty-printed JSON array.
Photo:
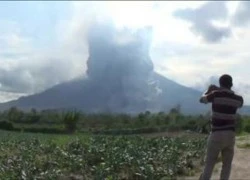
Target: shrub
[
  {"x": 70, "y": 120},
  {"x": 44, "y": 130},
  {"x": 6, "y": 125},
  {"x": 247, "y": 128}
]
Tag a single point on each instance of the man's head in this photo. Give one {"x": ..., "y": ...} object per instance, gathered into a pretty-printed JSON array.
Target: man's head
[{"x": 226, "y": 81}]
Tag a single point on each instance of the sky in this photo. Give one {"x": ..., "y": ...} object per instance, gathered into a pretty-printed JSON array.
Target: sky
[{"x": 43, "y": 43}]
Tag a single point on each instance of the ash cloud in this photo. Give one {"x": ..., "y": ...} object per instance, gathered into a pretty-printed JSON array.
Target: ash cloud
[
  {"x": 111, "y": 58},
  {"x": 119, "y": 62}
]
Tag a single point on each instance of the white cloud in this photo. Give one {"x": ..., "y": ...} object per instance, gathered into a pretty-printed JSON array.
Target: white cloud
[
  {"x": 25, "y": 69},
  {"x": 202, "y": 61},
  {"x": 7, "y": 96}
]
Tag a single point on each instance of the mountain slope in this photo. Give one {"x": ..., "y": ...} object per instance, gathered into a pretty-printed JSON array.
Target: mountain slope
[
  {"x": 91, "y": 97},
  {"x": 85, "y": 95}
]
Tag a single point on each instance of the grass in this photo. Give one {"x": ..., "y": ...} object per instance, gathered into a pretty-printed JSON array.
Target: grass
[{"x": 244, "y": 145}]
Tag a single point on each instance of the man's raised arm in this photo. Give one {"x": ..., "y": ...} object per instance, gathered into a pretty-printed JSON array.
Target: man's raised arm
[{"x": 208, "y": 95}]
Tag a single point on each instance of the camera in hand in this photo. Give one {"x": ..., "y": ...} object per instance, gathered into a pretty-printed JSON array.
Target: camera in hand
[{"x": 211, "y": 88}]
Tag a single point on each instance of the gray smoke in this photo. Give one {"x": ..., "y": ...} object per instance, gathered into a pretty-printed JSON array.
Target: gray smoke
[
  {"x": 109, "y": 57},
  {"x": 122, "y": 65}
]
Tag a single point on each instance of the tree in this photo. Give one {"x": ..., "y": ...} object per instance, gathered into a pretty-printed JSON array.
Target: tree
[
  {"x": 70, "y": 120},
  {"x": 140, "y": 119},
  {"x": 175, "y": 113},
  {"x": 32, "y": 117},
  {"x": 14, "y": 115},
  {"x": 176, "y": 109},
  {"x": 239, "y": 124}
]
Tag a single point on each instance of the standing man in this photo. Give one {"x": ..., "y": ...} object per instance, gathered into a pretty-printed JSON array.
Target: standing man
[{"x": 222, "y": 138}]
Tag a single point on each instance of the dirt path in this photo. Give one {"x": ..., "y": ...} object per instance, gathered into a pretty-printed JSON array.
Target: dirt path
[{"x": 240, "y": 165}]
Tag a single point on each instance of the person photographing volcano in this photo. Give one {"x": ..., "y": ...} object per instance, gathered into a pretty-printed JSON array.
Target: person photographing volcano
[{"x": 225, "y": 103}]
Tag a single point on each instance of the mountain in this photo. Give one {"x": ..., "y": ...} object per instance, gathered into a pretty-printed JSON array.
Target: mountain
[
  {"x": 90, "y": 96},
  {"x": 120, "y": 78}
]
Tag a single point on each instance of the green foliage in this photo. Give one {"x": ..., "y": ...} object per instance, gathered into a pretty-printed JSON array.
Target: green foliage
[
  {"x": 32, "y": 117},
  {"x": 47, "y": 121},
  {"x": 6, "y": 125},
  {"x": 247, "y": 128},
  {"x": 70, "y": 120},
  {"x": 43, "y": 130},
  {"x": 239, "y": 125},
  {"x": 243, "y": 124},
  {"x": 14, "y": 115},
  {"x": 28, "y": 156}
]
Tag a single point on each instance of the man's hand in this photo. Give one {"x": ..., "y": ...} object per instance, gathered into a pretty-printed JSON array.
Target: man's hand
[{"x": 211, "y": 88}]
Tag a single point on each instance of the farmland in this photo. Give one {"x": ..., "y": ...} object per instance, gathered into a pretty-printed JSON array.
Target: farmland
[
  {"x": 75, "y": 145},
  {"x": 82, "y": 156}
]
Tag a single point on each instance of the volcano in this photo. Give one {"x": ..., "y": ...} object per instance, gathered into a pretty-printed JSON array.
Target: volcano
[{"x": 120, "y": 78}]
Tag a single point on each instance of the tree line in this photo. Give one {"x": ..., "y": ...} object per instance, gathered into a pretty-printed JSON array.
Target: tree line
[{"x": 55, "y": 121}]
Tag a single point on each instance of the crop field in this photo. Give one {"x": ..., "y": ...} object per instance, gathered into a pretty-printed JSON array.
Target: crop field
[{"x": 41, "y": 156}]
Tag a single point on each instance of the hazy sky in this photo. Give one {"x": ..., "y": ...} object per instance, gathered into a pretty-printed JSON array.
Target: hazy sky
[{"x": 43, "y": 43}]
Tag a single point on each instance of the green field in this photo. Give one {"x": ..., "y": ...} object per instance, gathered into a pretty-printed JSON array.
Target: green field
[{"x": 44, "y": 156}]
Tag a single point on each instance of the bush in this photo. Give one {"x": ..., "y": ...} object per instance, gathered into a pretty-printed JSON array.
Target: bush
[
  {"x": 6, "y": 125},
  {"x": 44, "y": 130},
  {"x": 174, "y": 127},
  {"x": 247, "y": 128},
  {"x": 239, "y": 124},
  {"x": 70, "y": 120},
  {"x": 190, "y": 125}
]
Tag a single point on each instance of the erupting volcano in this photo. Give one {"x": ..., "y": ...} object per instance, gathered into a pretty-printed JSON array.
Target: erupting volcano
[{"x": 120, "y": 78}]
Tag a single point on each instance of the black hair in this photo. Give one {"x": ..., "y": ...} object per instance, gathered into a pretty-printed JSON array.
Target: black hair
[{"x": 226, "y": 81}]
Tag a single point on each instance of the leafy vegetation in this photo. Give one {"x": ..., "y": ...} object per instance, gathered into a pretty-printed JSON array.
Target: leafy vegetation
[
  {"x": 70, "y": 120},
  {"x": 41, "y": 156},
  {"x": 87, "y": 148},
  {"x": 61, "y": 122},
  {"x": 49, "y": 121}
]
